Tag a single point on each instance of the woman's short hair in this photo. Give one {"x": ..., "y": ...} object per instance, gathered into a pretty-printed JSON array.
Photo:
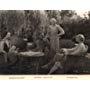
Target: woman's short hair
[{"x": 53, "y": 20}]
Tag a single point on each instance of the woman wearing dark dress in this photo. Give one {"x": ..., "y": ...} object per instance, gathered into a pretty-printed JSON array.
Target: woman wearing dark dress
[{"x": 5, "y": 45}]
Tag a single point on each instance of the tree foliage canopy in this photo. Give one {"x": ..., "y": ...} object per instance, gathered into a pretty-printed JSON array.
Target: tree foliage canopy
[{"x": 35, "y": 21}]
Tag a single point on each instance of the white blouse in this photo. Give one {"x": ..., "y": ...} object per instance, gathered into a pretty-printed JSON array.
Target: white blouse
[{"x": 79, "y": 49}]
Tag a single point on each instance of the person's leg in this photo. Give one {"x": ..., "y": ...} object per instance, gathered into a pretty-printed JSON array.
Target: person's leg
[
  {"x": 5, "y": 56},
  {"x": 47, "y": 65},
  {"x": 57, "y": 57},
  {"x": 51, "y": 59},
  {"x": 55, "y": 67}
]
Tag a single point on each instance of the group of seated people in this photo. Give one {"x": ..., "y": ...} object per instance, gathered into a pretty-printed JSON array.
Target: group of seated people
[{"x": 80, "y": 49}]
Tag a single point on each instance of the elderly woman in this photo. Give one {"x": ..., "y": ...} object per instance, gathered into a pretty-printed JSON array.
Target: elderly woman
[
  {"x": 74, "y": 53},
  {"x": 80, "y": 49}
]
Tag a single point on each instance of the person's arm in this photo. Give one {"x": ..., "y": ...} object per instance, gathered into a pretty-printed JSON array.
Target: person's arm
[
  {"x": 75, "y": 51},
  {"x": 68, "y": 51},
  {"x": 2, "y": 47},
  {"x": 48, "y": 32},
  {"x": 2, "y": 50},
  {"x": 60, "y": 30}
]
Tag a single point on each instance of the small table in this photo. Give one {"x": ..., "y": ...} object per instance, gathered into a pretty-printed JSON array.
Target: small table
[{"x": 31, "y": 57}]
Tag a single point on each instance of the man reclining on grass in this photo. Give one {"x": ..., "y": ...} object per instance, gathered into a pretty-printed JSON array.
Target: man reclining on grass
[{"x": 79, "y": 50}]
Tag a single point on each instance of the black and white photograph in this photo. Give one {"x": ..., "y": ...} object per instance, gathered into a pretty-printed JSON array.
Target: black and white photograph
[{"x": 44, "y": 42}]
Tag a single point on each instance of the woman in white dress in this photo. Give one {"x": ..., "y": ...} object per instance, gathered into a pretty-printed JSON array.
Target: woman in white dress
[{"x": 53, "y": 33}]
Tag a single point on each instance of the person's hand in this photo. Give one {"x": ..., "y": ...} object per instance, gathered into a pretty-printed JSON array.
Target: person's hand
[
  {"x": 76, "y": 44},
  {"x": 64, "y": 51},
  {"x": 59, "y": 36}
]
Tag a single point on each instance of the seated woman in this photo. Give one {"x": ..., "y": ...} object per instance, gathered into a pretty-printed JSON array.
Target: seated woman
[
  {"x": 79, "y": 50},
  {"x": 5, "y": 45}
]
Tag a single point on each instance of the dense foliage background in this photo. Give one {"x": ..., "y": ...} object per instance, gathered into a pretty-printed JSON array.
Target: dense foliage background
[
  {"x": 34, "y": 21},
  {"x": 29, "y": 23}
]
